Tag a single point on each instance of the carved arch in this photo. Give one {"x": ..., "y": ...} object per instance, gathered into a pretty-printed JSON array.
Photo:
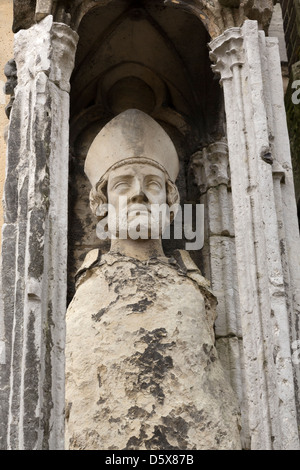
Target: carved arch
[
  {"x": 216, "y": 15},
  {"x": 208, "y": 12}
]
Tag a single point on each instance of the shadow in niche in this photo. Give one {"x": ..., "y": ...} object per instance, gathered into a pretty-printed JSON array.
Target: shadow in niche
[{"x": 148, "y": 56}]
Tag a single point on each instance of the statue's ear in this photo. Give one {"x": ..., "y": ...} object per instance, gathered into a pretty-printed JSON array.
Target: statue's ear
[{"x": 98, "y": 198}]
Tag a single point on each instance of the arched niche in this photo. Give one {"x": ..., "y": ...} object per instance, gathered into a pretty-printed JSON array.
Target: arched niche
[{"x": 148, "y": 56}]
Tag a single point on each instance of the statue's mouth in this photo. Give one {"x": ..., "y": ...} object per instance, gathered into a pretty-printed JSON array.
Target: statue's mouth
[{"x": 138, "y": 209}]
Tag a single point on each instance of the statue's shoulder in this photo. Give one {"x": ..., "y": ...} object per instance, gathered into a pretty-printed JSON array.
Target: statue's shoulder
[
  {"x": 191, "y": 270},
  {"x": 188, "y": 266},
  {"x": 91, "y": 260}
]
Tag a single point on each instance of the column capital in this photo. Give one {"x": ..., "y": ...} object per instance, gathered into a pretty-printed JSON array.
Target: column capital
[
  {"x": 210, "y": 166},
  {"x": 226, "y": 51}
]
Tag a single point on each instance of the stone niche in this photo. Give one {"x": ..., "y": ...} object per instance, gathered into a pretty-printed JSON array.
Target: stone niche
[{"x": 151, "y": 57}]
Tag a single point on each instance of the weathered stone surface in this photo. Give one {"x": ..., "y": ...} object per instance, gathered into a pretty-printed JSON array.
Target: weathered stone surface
[
  {"x": 225, "y": 286},
  {"x": 231, "y": 353},
  {"x": 34, "y": 248},
  {"x": 142, "y": 368},
  {"x": 50, "y": 54},
  {"x": 256, "y": 127},
  {"x": 212, "y": 175},
  {"x": 131, "y": 135}
]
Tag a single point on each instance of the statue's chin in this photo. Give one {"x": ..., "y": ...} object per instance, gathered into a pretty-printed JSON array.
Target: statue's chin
[{"x": 139, "y": 228}]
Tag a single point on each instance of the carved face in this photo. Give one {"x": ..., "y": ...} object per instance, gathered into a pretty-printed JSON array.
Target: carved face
[{"x": 132, "y": 190}]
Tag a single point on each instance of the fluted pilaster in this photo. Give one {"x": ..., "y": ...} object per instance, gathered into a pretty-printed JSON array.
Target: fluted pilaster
[
  {"x": 34, "y": 247},
  {"x": 212, "y": 175},
  {"x": 241, "y": 56}
]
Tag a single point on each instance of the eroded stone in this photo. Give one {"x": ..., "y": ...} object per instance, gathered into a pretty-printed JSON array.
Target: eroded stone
[{"x": 142, "y": 368}]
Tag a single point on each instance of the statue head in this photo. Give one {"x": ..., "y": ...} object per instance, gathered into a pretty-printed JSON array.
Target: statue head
[{"x": 132, "y": 165}]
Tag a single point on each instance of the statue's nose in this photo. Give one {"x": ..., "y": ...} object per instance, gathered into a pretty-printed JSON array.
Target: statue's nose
[{"x": 138, "y": 194}]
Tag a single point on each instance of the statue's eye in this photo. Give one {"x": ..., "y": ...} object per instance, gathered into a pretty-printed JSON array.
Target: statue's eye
[
  {"x": 121, "y": 185},
  {"x": 154, "y": 184}
]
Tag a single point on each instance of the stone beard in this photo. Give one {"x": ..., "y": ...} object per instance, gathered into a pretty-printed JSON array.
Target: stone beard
[{"x": 142, "y": 371}]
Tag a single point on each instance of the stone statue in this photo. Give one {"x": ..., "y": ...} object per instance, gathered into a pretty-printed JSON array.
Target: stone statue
[{"x": 142, "y": 371}]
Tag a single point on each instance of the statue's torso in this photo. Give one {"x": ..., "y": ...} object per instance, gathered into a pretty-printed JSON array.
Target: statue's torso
[{"x": 142, "y": 369}]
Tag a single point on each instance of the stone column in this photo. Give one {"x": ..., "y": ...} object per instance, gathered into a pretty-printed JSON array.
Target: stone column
[
  {"x": 266, "y": 232},
  {"x": 34, "y": 248},
  {"x": 212, "y": 174}
]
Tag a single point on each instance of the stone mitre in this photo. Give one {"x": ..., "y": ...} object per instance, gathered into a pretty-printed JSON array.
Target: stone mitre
[{"x": 132, "y": 136}]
